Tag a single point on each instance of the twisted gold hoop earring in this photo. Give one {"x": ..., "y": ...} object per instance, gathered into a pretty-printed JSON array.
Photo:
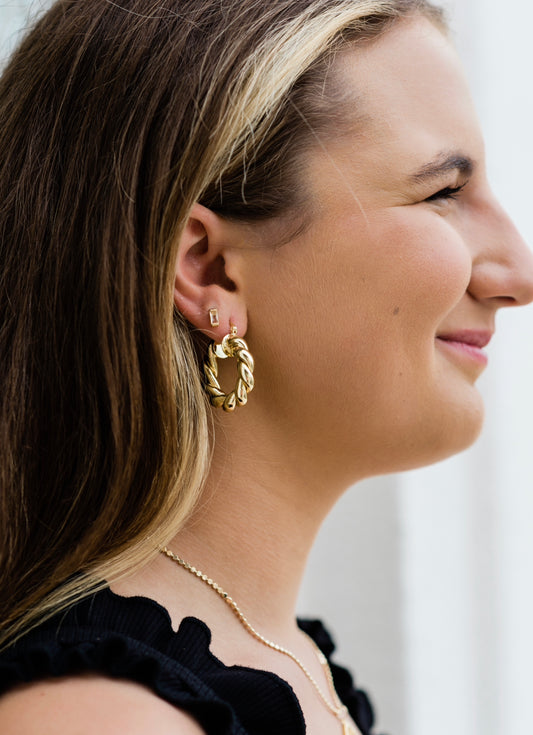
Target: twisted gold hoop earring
[{"x": 231, "y": 346}]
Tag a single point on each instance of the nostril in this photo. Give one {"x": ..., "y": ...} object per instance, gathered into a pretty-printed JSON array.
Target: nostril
[{"x": 501, "y": 283}]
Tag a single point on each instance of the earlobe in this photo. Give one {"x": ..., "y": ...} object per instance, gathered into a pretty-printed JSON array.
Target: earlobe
[{"x": 201, "y": 281}]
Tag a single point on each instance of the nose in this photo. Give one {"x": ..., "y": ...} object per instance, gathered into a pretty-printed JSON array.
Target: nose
[{"x": 502, "y": 270}]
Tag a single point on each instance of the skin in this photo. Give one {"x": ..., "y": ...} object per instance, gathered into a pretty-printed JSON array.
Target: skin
[
  {"x": 91, "y": 704},
  {"x": 346, "y": 324}
]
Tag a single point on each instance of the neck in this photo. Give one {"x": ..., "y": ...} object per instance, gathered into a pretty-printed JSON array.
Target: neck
[
  {"x": 253, "y": 547},
  {"x": 252, "y": 533}
]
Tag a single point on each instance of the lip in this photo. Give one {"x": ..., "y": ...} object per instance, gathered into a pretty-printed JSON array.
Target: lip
[{"x": 467, "y": 344}]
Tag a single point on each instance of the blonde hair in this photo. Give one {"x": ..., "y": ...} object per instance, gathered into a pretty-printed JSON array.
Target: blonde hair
[{"x": 114, "y": 119}]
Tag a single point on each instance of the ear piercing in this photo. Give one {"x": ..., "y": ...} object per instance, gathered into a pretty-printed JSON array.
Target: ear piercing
[{"x": 213, "y": 317}]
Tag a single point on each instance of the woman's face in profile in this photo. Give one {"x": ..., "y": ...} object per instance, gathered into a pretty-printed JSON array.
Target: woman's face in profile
[{"x": 384, "y": 303}]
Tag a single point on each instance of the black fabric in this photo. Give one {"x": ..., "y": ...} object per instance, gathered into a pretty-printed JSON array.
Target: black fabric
[{"x": 132, "y": 638}]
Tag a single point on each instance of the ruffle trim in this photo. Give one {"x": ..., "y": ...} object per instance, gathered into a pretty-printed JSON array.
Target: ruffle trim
[
  {"x": 132, "y": 638},
  {"x": 356, "y": 700}
]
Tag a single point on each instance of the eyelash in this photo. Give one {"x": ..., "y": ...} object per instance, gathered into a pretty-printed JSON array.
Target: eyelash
[{"x": 449, "y": 192}]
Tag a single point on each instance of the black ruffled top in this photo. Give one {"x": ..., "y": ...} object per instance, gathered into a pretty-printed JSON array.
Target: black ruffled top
[{"x": 132, "y": 638}]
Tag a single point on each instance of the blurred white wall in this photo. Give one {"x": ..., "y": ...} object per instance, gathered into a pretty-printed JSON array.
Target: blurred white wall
[
  {"x": 426, "y": 577},
  {"x": 13, "y": 18}
]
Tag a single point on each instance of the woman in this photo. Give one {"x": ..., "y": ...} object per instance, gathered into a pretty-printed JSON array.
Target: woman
[{"x": 302, "y": 181}]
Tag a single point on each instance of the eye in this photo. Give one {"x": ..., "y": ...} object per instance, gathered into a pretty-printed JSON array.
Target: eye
[{"x": 449, "y": 192}]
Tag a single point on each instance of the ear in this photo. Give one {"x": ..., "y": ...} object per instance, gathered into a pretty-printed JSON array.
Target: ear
[{"x": 202, "y": 281}]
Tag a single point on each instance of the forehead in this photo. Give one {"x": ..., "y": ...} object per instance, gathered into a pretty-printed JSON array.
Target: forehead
[{"x": 411, "y": 93}]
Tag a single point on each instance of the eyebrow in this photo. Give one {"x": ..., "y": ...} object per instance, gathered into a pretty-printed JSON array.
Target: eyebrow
[{"x": 443, "y": 164}]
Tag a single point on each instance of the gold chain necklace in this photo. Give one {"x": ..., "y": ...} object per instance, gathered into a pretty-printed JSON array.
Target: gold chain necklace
[{"x": 337, "y": 708}]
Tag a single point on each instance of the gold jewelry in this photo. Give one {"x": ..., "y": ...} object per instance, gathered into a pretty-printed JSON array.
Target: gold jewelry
[
  {"x": 213, "y": 317},
  {"x": 337, "y": 708},
  {"x": 231, "y": 346}
]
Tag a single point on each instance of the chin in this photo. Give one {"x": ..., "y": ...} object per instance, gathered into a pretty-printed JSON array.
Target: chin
[
  {"x": 455, "y": 432},
  {"x": 455, "y": 429}
]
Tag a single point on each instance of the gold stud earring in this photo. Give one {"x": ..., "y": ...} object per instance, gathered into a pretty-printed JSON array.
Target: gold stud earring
[
  {"x": 231, "y": 346},
  {"x": 213, "y": 317}
]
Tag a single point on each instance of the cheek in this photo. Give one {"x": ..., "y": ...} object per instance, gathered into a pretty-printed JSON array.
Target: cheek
[
  {"x": 382, "y": 289},
  {"x": 424, "y": 266},
  {"x": 344, "y": 326},
  {"x": 395, "y": 277},
  {"x": 375, "y": 292}
]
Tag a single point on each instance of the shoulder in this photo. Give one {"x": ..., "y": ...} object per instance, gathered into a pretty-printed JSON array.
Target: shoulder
[{"x": 90, "y": 705}]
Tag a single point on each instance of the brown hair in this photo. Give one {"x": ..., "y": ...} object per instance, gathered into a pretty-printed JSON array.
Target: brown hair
[{"x": 114, "y": 119}]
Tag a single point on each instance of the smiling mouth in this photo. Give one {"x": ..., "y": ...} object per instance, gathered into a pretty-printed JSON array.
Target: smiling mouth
[{"x": 467, "y": 345}]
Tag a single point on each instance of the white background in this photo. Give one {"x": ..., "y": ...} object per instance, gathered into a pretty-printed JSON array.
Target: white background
[{"x": 426, "y": 577}]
